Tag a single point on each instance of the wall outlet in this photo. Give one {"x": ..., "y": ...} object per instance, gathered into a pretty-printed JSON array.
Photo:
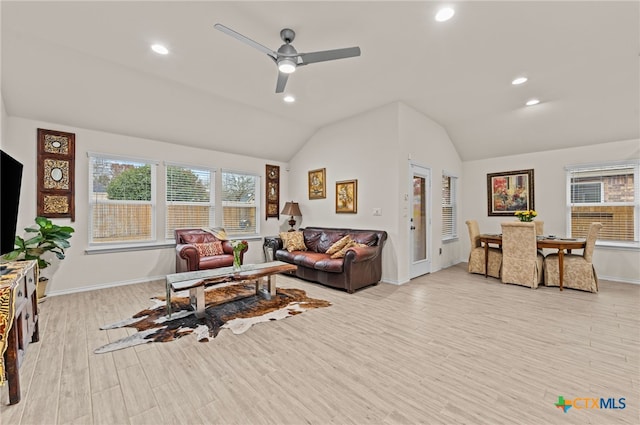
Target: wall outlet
[{"x": 377, "y": 211}]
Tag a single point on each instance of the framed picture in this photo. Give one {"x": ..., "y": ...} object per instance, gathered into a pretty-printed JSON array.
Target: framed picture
[
  {"x": 317, "y": 188},
  {"x": 509, "y": 192},
  {"x": 272, "y": 187},
  {"x": 56, "y": 170},
  {"x": 347, "y": 196}
]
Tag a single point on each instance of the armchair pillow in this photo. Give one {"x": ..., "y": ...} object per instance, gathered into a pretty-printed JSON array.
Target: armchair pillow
[{"x": 208, "y": 249}]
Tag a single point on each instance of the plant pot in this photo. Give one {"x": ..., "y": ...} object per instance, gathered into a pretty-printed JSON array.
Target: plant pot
[{"x": 41, "y": 288}]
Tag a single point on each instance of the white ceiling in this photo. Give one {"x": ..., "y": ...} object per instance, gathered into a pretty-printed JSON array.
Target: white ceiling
[{"x": 88, "y": 64}]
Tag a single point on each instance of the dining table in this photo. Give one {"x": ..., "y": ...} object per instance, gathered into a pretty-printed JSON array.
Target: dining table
[{"x": 549, "y": 242}]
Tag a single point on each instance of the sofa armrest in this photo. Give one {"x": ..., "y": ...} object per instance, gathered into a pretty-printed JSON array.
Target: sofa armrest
[
  {"x": 228, "y": 248},
  {"x": 273, "y": 242},
  {"x": 360, "y": 254}
]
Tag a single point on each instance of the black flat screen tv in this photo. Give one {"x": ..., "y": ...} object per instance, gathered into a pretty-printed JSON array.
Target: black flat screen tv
[{"x": 10, "y": 181}]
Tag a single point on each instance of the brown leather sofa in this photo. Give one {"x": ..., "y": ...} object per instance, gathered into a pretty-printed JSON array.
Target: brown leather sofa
[
  {"x": 187, "y": 257},
  {"x": 360, "y": 267}
]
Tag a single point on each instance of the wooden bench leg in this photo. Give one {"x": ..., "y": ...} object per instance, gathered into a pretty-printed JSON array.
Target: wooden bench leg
[{"x": 11, "y": 363}]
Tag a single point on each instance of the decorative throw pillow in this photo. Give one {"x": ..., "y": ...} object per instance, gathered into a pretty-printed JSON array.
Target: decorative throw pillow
[
  {"x": 293, "y": 241},
  {"x": 208, "y": 249},
  {"x": 343, "y": 251},
  {"x": 338, "y": 245},
  {"x": 218, "y": 232}
]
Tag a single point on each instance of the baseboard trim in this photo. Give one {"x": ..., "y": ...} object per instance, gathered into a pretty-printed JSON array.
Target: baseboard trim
[
  {"x": 618, "y": 279},
  {"x": 105, "y": 285}
]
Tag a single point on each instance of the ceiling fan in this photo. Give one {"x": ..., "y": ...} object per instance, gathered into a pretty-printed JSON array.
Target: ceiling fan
[{"x": 286, "y": 57}]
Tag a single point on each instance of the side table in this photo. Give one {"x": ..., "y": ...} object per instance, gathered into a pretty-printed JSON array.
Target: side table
[
  {"x": 19, "y": 279},
  {"x": 270, "y": 246}
]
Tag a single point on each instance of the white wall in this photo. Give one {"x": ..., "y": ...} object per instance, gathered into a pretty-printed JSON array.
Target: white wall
[
  {"x": 81, "y": 271},
  {"x": 427, "y": 143},
  {"x": 373, "y": 147},
  {"x": 550, "y": 197}
]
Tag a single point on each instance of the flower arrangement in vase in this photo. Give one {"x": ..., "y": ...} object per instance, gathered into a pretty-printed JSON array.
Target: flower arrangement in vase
[
  {"x": 238, "y": 247},
  {"x": 526, "y": 215}
]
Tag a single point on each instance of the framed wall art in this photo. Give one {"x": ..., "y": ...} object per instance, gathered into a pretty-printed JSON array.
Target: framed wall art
[
  {"x": 272, "y": 188},
  {"x": 347, "y": 196},
  {"x": 56, "y": 176},
  {"x": 509, "y": 192},
  {"x": 317, "y": 188}
]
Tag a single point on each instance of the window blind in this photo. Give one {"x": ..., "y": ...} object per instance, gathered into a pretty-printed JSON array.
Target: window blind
[
  {"x": 607, "y": 194},
  {"x": 190, "y": 200},
  {"x": 449, "y": 207},
  {"x": 121, "y": 201}
]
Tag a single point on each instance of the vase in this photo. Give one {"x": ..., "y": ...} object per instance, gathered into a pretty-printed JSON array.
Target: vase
[{"x": 237, "y": 262}]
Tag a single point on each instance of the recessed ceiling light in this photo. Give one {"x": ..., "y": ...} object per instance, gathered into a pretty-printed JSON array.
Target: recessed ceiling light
[
  {"x": 160, "y": 49},
  {"x": 532, "y": 102},
  {"x": 289, "y": 98},
  {"x": 445, "y": 14},
  {"x": 519, "y": 80}
]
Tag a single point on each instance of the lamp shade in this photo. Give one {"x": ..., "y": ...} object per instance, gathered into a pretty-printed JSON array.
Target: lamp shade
[{"x": 292, "y": 209}]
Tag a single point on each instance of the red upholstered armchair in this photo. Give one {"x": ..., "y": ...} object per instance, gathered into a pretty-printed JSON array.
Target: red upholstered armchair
[{"x": 197, "y": 249}]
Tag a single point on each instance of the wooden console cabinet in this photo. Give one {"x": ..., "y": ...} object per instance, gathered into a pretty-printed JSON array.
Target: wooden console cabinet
[{"x": 21, "y": 277}]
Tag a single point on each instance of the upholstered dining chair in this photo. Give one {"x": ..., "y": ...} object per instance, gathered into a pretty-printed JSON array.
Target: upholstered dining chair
[
  {"x": 522, "y": 264},
  {"x": 476, "y": 256},
  {"x": 539, "y": 227},
  {"x": 579, "y": 272}
]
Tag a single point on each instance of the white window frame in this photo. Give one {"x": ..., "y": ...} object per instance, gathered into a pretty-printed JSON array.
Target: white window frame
[
  {"x": 602, "y": 167},
  {"x": 453, "y": 204}
]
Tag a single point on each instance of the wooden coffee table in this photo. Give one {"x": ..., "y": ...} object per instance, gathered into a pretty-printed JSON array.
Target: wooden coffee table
[{"x": 197, "y": 281}]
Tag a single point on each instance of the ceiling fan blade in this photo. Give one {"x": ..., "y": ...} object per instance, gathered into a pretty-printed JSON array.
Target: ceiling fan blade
[
  {"x": 329, "y": 55},
  {"x": 282, "y": 81},
  {"x": 246, "y": 40}
]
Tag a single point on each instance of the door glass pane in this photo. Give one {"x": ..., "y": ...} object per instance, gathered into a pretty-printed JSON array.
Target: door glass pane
[{"x": 419, "y": 219}]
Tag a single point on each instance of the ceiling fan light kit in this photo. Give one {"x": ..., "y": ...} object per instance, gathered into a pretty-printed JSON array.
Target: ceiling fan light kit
[{"x": 287, "y": 57}]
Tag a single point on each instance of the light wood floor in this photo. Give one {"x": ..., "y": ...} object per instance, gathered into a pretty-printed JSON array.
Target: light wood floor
[{"x": 446, "y": 348}]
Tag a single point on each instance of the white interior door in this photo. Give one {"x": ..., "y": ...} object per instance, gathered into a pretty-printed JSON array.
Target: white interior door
[{"x": 420, "y": 221}]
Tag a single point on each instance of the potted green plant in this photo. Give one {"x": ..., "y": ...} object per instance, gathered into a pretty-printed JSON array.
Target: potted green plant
[{"x": 46, "y": 237}]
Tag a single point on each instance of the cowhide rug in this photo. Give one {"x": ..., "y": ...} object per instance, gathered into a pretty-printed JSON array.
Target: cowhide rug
[{"x": 234, "y": 307}]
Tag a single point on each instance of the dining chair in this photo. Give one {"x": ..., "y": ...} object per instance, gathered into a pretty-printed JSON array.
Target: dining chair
[
  {"x": 522, "y": 264},
  {"x": 476, "y": 255},
  {"x": 579, "y": 272},
  {"x": 539, "y": 227}
]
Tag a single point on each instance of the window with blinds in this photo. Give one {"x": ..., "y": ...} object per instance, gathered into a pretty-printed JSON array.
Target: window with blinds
[
  {"x": 121, "y": 200},
  {"x": 240, "y": 203},
  {"x": 607, "y": 194},
  {"x": 449, "y": 207},
  {"x": 190, "y": 200}
]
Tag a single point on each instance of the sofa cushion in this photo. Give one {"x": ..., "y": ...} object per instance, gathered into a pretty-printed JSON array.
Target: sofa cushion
[
  {"x": 208, "y": 249},
  {"x": 367, "y": 238},
  {"x": 339, "y": 244},
  {"x": 308, "y": 259},
  {"x": 293, "y": 241},
  {"x": 330, "y": 265},
  {"x": 311, "y": 239},
  {"x": 328, "y": 238}
]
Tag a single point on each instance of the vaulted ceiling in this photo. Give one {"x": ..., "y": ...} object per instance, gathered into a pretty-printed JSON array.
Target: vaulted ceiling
[{"x": 88, "y": 64}]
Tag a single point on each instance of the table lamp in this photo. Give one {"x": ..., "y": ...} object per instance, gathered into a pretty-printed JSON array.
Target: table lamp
[{"x": 292, "y": 209}]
